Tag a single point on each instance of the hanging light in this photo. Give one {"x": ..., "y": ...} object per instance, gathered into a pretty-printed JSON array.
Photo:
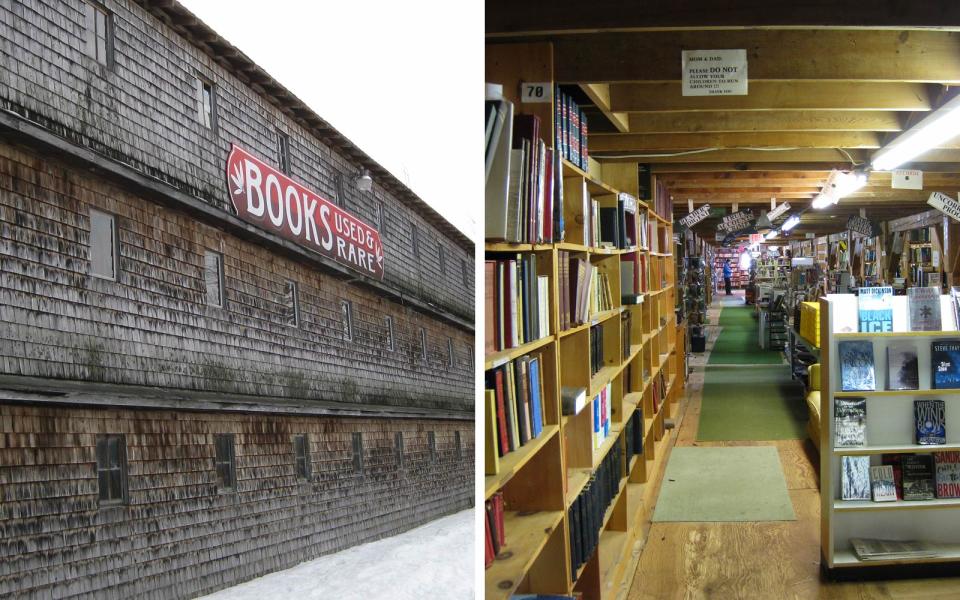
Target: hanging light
[
  {"x": 791, "y": 222},
  {"x": 939, "y": 126},
  {"x": 770, "y": 235}
]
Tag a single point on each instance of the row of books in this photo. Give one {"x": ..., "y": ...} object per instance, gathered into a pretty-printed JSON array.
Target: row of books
[
  {"x": 516, "y": 389},
  {"x": 925, "y": 276},
  {"x": 493, "y": 526},
  {"x": 618, "y": 225},
  {"x": 575, "y": 276},
  {"x": 596, "y": 348},
  {"x": 601, "y": 415},
  {"x": 921, "y": 255},
  {"x": 571, "y": 123},
  {"x": 517, "y": 302},
  {"x": 625, "y": 326},
  {"x": 658, "y": 390},
  {"x": 875, "y": 310},
  {"x": 585, "y": 515},
  {"x": 858, "y": 372},
  {"x": 901, "y": 477},
  {"x": 634, "y": 274},
  {"x": 601, "y": 298},
  {"x": 662, "y": 202},
  {"x": 633, "y": 435},
  {"x": 850, "y": 418}
]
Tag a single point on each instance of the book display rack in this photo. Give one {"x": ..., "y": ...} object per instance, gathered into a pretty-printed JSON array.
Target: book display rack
[
  {"x": 739, "y": 278},
  {"x": 575, "y": 496},
  {"x": 880, "y": 424}
]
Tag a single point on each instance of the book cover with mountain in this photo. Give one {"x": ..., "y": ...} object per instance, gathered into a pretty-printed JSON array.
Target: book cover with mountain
[
  {"x": 930, "y": 422},
  {"x": 855, "y": 478},
  {"x": 876, "y": 309},
  {"x": 850, "y": 421},
  {"x": 924, "y": 308},
  {"x": 948, "y": 474},
  {"x": 918, "y": 477},
  {"x": 856, "y": 366},
  {"x": 903, "y": 371},
  {"x": 945, "y": 363},
  {"x": 882, "y": 484}
]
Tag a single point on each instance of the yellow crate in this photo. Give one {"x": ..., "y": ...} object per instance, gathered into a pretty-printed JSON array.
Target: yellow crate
[
  {"x": 813, "y": 377},
  {"x": 810, "y": 322}
]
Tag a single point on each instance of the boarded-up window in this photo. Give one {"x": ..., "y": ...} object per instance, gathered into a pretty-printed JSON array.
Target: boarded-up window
[
  {"x": 104, "y": 248},
  {"x": 338, "y": 185},
  {"x": 423, "y": 343},
  {"x": 381, "y": 218},
  {"x": 450, "y": 352},
  {"x": 112, "y": 469},
  {"x": 206, "y": 103},
  {"x": 432, "y": 441},
  {"x": 456, "y": 439},
  {"x": 213, "y": 277},
  {"x": 443, "y": 259},
  {"x": 291, "y": 304},
  {"x": 389, "y": 325},
  {"x": 358, "y": 453},
  {"x": 301, "y": 456},
  {"x": 464, "y": 273},
  {"x": 415, "y": 240},
  {"x": 225, "y": 461},
  {"x": 98, "y": 33},
  {"x": 346, "y": 308},
  {"x": 470, "y": 355},
  {"x": 283, "y": 152},
  {"x": 398, "y": 447}
]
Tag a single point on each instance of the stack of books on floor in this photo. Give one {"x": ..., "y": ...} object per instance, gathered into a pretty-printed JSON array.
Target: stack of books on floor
[
  {"x": 493, "y": 526},
  {"x": 517, "y": 302},
  {"x": 575, "y": 276},
  {"x": 515, "y": 395},
  {"x": 585, "y": 515},
  {"x": 873, "y": 549}
]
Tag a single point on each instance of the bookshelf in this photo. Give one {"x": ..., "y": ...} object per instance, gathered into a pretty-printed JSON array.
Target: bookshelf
[
  {"x": 889, "y": 430},
  {"x": 639, "y": 374}
]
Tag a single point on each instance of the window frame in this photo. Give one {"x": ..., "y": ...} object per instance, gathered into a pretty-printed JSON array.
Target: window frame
[
  {"x": 423, "y": 344},
  {"x": 230, "y": 461},
  {"x": 346, "y": 313},
  {"x": 221, "y": 279},
  {"x": 432, "y": 443},
  {"x": 92, "y": 31},
  {"x": 120, "y": 471},
  {"x": 381, "y": 219},
  {"x": 442, "y": 257},
  {"x": 202, "y": 84},
  {"x": 292, "y": 303},
  {"x": 357, "y": 442},
  {"x": 113, "y": 244},
  {"x": 398, "y": 448},
  {"x": 459, "y": 445},
  {"x": 415, "y": 240},
  {"x": 464, "y": 273},
  {"x": 450, "y": 357},
  {"x": 301, "y": 442},
  {"x": 283, "y": 151}
]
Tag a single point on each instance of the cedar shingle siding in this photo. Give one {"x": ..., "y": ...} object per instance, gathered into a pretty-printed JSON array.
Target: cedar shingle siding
[{"x": 146, "y": 356}]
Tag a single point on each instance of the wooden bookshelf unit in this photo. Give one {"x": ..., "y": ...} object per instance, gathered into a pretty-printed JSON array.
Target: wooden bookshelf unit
[{"x": 542, "y": 479}]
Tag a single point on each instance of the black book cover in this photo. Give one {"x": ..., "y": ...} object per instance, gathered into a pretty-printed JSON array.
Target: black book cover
[
  {"x": 492, "y": 520},
  {"x": 931, "y": 422},
  {"x": 609, "y": 226},
  {"x": 918, "y": 476}
]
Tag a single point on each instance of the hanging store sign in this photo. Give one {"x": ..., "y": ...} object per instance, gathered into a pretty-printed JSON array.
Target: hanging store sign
[
  {"x": 737, "y": 221},
  {"x": 907, "y": 179},
  {"x": 773, "y": 214},
  {"x": 863, "y": 226},
  {"x": 756, "y": 238},
  {"x": 945, "y": 204},
  {"x": 265, "y": 197},
  {"x": 714, "y": 72},
  {"x": 696, "y": 216}
]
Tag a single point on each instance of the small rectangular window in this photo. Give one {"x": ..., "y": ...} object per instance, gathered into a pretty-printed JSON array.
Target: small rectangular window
[
  {"x": 347, "y": 309},
  {"x": 443, "y": 259},
  {"x": 291, "y": 304},
  {"x": 104, "y": 247},
  {"x": 470, "y": 355},
  {"x": 341, "y": 196},
  {"x": 464, "y": 273},
  {"x": 398, "y": 447},
  {"x": 389, "y": 323},
  {"x": 225, "y": 461},
  {"x": 99, "y": 34},
  {"x": 358, "y": 453},
  {"x": 456, "y": 440},
  {"x": 112, "y": 469},
  {"x": 450, "y": 352},
  {"x": 213, "y": 277},
  {"x": 415, "y": 240},
  {"x": 432, "y": 441},
  {"x": 301, "y": 456},
  {"x": 381, "y": 218},
  {"x": 206, "y": 103},
  {"x": 283, "y": 152},
  {"x": 423, "y": 343}
]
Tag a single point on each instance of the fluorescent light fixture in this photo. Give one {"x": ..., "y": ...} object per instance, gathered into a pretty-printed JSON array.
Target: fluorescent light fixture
[
  {"x": 839, "y": 185},
  {"x": 939, "y": 126},
  {"x": 790, "y": 223},
  {"x": 823, "y": 200},
  {"x": 770, "y": 235}
]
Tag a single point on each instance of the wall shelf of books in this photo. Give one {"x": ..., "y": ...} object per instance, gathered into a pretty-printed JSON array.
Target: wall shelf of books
[
  {"x": 580, "y": 349},
  {"x": 890, "y": 457},
  {"x": 739, "y": 277}
]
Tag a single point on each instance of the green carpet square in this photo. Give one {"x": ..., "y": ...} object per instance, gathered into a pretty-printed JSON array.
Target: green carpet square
[
  {"x": 724, "y": 484},
  {"x": 738, "y": 342},
  {"x": 755, "y": 403}
]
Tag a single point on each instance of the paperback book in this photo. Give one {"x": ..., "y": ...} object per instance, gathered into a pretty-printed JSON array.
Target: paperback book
[
  {"x": 876, "y": 309},
  {"x": 945, "y": 361},
  {"x": 902, "y": 367},
  {"x": 855, "y": 478},
  {"x": 882, "y": 484},
  {"x": 948, "y": 474},
  {"x": 924, "y": 308},
  {"x": 918, "y": 476},
  {"x": 930, "y": 422},
  {"x": 850, "y": 421},
  {"x": 894, "y": 461},
  {"x": 856, "y": 366}
]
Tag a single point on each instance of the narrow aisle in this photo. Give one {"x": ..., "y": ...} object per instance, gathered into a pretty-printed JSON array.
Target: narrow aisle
[{"x": 752, "y": 559}]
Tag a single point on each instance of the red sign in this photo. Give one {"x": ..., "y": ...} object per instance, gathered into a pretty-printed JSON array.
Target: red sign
[{"x": 267, "y": 198}]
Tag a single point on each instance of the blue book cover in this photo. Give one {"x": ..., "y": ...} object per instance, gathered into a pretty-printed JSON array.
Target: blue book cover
[
  {"x": 596, "y": 421},
  {"x": 945, "y": 359},
  {"x": 856, "y": 366},
  {"x": 535, "y": 403},
  {"x": 931, "y": 422},
  {"x": 876, "y": 309}
]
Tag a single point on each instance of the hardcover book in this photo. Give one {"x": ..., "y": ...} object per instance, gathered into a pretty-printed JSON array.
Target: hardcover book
[
  {"x": 918, "y": 477},
  {"x": 945, "y": 361},
  {"x": 876, "y": 309},
  {"x": 955, "y": 303},
  {"x": 931, "y": 425},
  {"x": 856, "y": 365},
  {"x": 850, "y": 421},
  {"x": 855, "y": 478},
  {"x": 882, "y": 484},
  {"x": 894, "y": 461},
  {"x": 948, "y": 474},
  {"x": 902, "y": 367},
  {"x": 924, "y": 303}
]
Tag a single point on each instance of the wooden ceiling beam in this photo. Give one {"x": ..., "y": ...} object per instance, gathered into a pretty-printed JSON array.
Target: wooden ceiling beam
[
  {"x": 599, "y": 94},
  {"x": 770, "y": 165},
  {"x": 756, "y": 121},
  {"x": 768, "y": 95},
  {"x": 639, "y": 142},
  {"x": 772, "y": 55},
  {"x": 808, "y": 155}
]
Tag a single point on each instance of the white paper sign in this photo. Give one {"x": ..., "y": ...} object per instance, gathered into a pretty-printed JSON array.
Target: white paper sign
[
  {"x": 532, "y": 93},
  {"x": 773, "y": 214},
  {"x": 907, "y": 179},
  {"x": 714, "y": 72},
  {"x": 809, "y": 235},
  {"x": 945, "y": 204}
]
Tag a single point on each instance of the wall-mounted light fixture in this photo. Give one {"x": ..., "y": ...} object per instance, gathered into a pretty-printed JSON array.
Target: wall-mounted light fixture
[{"x": 363, "y": 181}]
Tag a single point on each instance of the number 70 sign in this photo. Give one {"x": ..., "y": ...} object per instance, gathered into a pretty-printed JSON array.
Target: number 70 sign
[{"x": 535, "y": 92}]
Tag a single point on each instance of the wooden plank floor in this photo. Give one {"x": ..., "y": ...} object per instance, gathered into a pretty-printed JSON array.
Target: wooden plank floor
[{"x": 773, "y": 560}]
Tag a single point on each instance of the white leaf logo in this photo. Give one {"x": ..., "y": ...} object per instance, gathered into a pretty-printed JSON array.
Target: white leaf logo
[
  {"x": 237, "y": 178},
  {"x": 379, "y": 254}
]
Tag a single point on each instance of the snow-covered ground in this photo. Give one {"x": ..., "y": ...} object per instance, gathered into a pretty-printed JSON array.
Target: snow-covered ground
[{"x": 431, "y": 561}]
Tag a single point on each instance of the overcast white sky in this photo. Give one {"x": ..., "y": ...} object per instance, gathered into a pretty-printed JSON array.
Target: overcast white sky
[{"x": 402, "y": 80}]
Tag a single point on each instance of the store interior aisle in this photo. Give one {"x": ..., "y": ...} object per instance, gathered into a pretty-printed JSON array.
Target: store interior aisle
[{"x": 753, "y": 560}]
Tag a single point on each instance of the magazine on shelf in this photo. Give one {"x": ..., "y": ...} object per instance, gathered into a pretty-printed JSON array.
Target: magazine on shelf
[{"x": 874, "y": 549}]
